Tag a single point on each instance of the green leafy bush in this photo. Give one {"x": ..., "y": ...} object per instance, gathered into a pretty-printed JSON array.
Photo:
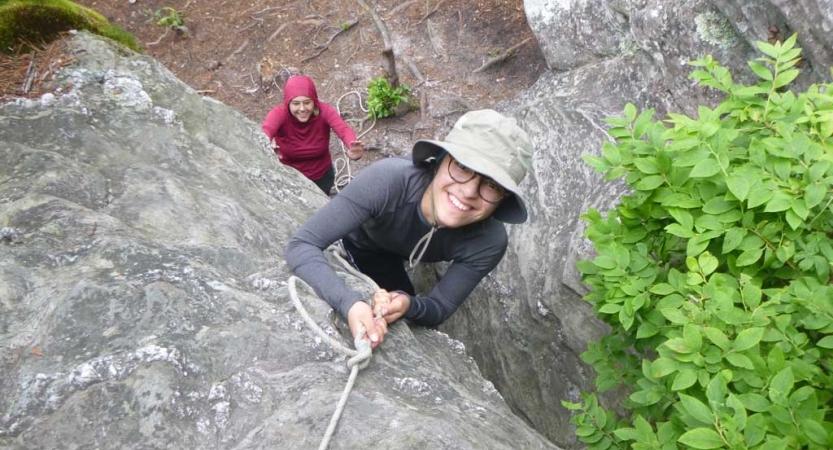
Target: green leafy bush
[
  {"x": 167, "y": 17},
  {"x": 714, "y": 274},
  {"x": 382, "y": 98}
]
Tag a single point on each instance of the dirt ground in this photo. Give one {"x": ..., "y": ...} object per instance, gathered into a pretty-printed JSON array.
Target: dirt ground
[{"x": 240, "y": 52}]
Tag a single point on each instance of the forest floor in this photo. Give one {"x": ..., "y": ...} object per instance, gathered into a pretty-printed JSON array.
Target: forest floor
[{"x": 241, "y": 52}]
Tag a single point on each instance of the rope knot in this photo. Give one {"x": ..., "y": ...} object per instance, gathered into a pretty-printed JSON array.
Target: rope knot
[{"x": 364, "y": 352}]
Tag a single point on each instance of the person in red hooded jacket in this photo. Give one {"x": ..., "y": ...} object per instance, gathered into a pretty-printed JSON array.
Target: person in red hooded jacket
[{"x": 299, "y": 130}]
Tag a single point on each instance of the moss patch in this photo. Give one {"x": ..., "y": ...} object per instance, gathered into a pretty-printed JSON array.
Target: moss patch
[{"x": 40, "y": 21}]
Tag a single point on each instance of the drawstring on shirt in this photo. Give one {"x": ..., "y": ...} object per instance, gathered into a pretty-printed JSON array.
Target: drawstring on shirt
[{"x": 425, "y": 240}]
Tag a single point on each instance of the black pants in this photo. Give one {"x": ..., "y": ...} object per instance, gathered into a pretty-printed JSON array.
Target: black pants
[
  {"x": 386, "y": 269},
  {"x": 326, "y": 182}
]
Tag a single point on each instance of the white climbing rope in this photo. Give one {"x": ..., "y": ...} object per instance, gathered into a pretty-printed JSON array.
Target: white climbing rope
[
  {"x": 342, "y": 165},
  {"x": 359, "y": 358}
]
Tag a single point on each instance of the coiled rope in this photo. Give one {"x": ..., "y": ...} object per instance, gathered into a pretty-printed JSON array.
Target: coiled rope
[
  {"x": 342, "y": 165},
  {"x": 359, "y": 358}
]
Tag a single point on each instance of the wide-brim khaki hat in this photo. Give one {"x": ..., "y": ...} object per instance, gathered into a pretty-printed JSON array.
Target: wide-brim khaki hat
[{"x": 490, "y": 144}]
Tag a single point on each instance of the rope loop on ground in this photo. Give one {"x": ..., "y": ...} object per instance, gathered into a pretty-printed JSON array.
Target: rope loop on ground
[{"x": 344, "y": 173}]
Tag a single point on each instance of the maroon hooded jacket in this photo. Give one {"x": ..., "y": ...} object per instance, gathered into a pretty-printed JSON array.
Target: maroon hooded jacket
[{"x": 305, "y": 145}]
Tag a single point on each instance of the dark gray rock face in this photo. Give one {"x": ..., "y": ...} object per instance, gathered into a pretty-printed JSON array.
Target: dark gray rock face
[
  {"x": 143, "y": 301},
  {"x": 527, "y": 323}
]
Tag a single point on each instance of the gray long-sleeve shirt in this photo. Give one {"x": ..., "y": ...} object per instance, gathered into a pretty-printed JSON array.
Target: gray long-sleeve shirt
[{"x": 380, "y": 209}]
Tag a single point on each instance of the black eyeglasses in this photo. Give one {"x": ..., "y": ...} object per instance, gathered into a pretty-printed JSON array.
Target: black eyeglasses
[{"x": 489, "y": 190}]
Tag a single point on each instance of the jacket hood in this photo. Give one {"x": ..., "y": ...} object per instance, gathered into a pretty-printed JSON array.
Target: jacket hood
[{"x": 298, "y": 85}]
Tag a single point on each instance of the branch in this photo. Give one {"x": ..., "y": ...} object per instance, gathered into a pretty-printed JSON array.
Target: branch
[
  {"x": 414, "y": 69},
  {"x": 342, "y": 29},
  {"x": 326, "y": 45},
  {"x": 393, "y": 12},
  {"x": 160, "y": 38},
  {"x": 506, "y": 55},
  {"x": 383, "y": 30},
  {"x": 277, "y": 32},
  {"x": 239, "y": 49},
  {"x": 387, "y": 52},
  {"x": 428, "y": 14}
]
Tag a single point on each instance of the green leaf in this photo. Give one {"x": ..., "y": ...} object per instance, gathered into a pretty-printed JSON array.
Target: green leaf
[
  {"x": 826, "y": 342},
  {"x": 760, "y": 70},
  {"x": 603, "y": 444},
  {"x": 716, "y": 389},
  {"x": 587, "y": 267},
  {"x": 682, "y": 216},
  {"x": 680, "y": 231},
  {"x": 675, "y": 316},
  {"x": 814, "y": 194},
  {"x": 755, "y": 430},
  {"x": 696, "y": 409},
  {"x": 647, "y": 165},
  {"x": 768, "y": 49},
  {"x": 747, "y": 339},
  {"x": 630, "y": 112},
  {"x": 697, "y": 244},
  {"x": 650, "y": 182},
  {"x": 662, "y": 367},
  {"x": 749, "y": 257},
  {"x": 780, "y": 201},
  {"x": 708, "y": 263},
  {"x": 662, "y": 289},
  {"x": 793, "y": 220},
  {"x": 754, "y": 402},
  {"x": 692, "y": 336},
  {"x": 718, "y": 205},
  {"x": 621, "y": 255},
  {"x": 758, "y": 196},
  {"x": 627, "y": 434},
  {"x": 605, "y": 262},
  {"x": 717, "y": 337},
  {"x": 786, "y": 77},
  {"x": 610, "y": 308},
  {"x": 685, "y": 378},
  {"x": 733, "y": 238},
  {"x": 739, "y": 360},
  {"x": 571, "y": 406},
  {"x": 646, "y": 330},
  {"x": 774, "y": 444},
  {"x": 678, "y": 345},
  {"x": 708, "y": 222},
  {"x": 739, "y": 186},
  {"x": 705, "y": 169},
  {"x": 680, "y": 201},
  {"x": 585, "y": 430},
  {"x": 781, "y": 385},
  {"x": 814, "y": 431},
  {"x": 799, "y": 207},
  {"x": 646, "y": 432},
  {"x": 702, "y": 438}
]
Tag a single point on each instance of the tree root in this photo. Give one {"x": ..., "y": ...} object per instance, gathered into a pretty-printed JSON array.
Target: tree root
[
  {"x": 506, "y": 55},
  {"x": 326, "y": 46},
  {"x": 156, "y": 42},
  {"x": 428, "y": 14},
  {"x": 414, "y": 69},
  {"x": 277, "y": 32},
  {"x": 387, "y": 52},
  {"x": 401, "y": 7}
]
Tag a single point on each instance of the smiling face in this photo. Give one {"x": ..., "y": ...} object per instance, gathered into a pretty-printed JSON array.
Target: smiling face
[
  {"x": 454, "y": 204},
  {"x": 302, "y": 108}
]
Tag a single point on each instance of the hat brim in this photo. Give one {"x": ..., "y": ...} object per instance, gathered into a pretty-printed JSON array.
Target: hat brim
[{"x": 512, "y": 209}]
